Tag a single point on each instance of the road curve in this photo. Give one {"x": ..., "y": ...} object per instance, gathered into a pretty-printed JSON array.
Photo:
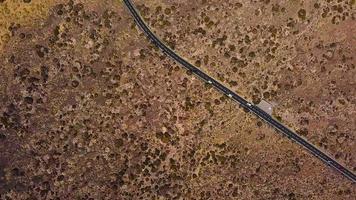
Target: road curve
[{"x": 243, "y": 103}]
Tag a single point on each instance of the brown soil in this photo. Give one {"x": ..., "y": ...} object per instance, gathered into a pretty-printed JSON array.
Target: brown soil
[{"x": 91, "y": 110}]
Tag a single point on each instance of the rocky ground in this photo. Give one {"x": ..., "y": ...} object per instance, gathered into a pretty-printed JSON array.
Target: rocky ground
[{"x": 91, "y": 110}]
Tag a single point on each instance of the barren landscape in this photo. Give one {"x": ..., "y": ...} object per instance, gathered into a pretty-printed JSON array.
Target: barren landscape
[{"x": 90, "y": 109}]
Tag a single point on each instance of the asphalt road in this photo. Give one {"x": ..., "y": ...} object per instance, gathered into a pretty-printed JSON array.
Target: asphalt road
[{"x": 243, "y": 103}]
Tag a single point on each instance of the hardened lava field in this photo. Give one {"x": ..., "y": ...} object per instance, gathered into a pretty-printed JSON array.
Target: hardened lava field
[{"x": 90, "y": 109}]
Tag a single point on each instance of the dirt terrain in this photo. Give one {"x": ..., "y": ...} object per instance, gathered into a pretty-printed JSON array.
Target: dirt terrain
[
  {"x": 90, "y": 109},
  {"x": 298, "y": 55}
]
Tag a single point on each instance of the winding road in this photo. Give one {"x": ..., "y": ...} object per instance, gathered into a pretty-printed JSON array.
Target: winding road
[{"x": 241, "y": 101}]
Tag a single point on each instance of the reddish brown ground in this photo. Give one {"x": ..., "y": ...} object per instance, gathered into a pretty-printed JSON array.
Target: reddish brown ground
[
  {"x": 91, "y": 110},
  {"x": 298, "y": 55}
]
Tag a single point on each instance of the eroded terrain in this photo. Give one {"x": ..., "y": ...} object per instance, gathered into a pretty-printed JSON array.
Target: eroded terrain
[{"x": 91, "y": 110}]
